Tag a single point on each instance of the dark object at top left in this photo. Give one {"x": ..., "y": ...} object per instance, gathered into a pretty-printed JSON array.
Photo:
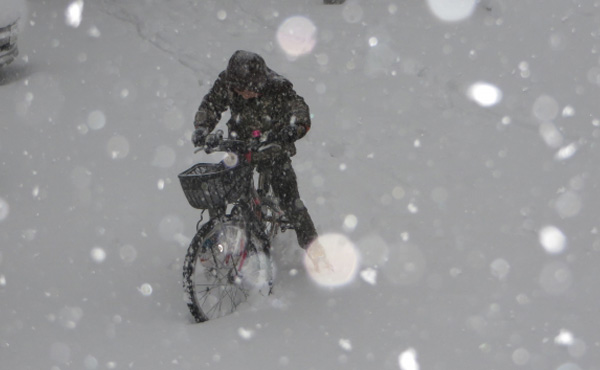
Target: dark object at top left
[{"x": 8, "y": 42}]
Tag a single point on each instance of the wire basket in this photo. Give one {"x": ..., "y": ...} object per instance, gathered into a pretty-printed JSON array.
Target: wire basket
[{"x": 212, "y": 185}]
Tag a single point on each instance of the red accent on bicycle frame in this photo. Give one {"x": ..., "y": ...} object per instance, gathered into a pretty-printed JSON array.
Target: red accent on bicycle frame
[
  {"x": 244, "y": 254},
  {"x": 248, "y": 157},
  {"x": 242, "y": 261},
  {"x": 256, "y": 133},
  {"x": 256, "y": 201}
]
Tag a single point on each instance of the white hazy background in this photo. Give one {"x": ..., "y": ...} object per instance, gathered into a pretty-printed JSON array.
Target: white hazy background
[
  {"x": 452, "y": 169},
  {"x": 11, "y": 10}
]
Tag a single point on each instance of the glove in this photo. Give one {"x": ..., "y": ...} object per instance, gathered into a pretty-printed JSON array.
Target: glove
[
  {"x": 213, "y": 140},
  {"x": 288, "y": 134},
  {"x": 199, "y": 135}
]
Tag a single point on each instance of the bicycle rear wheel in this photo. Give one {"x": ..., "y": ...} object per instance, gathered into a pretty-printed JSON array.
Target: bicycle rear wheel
[{"x": 223, "y": 268}]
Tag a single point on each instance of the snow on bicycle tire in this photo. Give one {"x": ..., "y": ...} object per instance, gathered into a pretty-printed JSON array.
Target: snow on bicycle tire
[{"x": 222, "y": 269}]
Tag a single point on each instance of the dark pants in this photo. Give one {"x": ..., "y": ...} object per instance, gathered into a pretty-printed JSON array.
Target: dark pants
[{"x": 285, "y": 187}]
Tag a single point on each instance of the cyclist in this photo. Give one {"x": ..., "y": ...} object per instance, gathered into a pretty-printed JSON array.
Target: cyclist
[{"x": 264, "y": 106}]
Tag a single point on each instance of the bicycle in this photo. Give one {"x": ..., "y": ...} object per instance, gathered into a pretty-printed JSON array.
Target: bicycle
[{"x": 229, "y": 258}]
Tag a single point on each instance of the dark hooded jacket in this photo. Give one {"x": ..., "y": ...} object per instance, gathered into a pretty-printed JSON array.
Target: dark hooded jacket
[
  {"x": 277, "y": 112},
  {"x": 277, "y": 107}
]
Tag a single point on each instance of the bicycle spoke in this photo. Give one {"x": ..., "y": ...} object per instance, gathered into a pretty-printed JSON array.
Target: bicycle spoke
[
  {"x": 210, "y": 312},
  {"x": 223, "y": 293},
  {"x": 205, "y": 297},
  {"x": 225, "y": 270},
  {"x": 212, "y": 309},
  {"x": 231, "y": 295}
]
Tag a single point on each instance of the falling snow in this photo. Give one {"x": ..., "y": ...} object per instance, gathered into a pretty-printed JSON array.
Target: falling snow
[
  {"x": 408, "y": 360},
  {"x": 452, "y": 10},
  {"x": 485, "y": 94},
  {"x": 145, "y": 289},
  {"x": 98, "y": 254},
  {"x": 552, "y": 239},
  {"x": 73, "y": 13},
  {"x": 346, "y": 344},
  {"x": 246, "y": 333},
  {"x": 369, "y": 275},
  {"x": 564, "y": 338},
  {"x": 451, "y": 170}
]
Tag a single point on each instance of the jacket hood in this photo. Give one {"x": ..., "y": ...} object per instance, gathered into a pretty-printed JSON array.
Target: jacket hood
[{"x": 246, "y": 71}]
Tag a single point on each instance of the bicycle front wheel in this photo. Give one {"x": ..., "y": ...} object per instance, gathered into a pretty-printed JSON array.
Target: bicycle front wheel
[{"x": 222, "y": 268}]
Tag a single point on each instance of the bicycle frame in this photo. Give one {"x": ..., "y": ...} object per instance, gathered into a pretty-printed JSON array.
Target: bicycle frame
[
  {"x": 250, "y": 207},
  {"x": 260, "y": 207},
  {"x": 220, "y": 273}
]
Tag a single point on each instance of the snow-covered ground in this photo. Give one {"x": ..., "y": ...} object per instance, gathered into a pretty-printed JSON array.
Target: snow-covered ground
[{"x": 459, "y": 158}]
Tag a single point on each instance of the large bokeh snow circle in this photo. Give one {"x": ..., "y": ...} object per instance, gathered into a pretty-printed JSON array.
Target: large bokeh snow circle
[
  {"x": 117, "y": 147},
  {"x": 343, "y": 256},
  {"x": 452, "y": 10},
  {"x": 296, "y": 36}
]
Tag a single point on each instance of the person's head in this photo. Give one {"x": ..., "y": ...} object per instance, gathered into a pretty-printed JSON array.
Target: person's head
[{"x": 246, "y": 73}]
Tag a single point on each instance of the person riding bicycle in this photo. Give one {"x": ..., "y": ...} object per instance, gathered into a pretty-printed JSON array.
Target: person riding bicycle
[{"x": 265, "y": 107}]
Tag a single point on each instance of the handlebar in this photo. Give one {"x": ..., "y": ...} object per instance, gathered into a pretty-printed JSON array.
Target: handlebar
[
  {"x": 217, "y": 143},
  {"x": 224, "y": 145}
]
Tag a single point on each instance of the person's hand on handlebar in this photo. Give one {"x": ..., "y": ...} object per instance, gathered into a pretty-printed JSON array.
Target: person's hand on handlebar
[
  {"x": 199, "y": 136},
  {"x": 261, "y": 145},
  {"x": 213, "y": 140},
  {"x": 288, "y": 134}
]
